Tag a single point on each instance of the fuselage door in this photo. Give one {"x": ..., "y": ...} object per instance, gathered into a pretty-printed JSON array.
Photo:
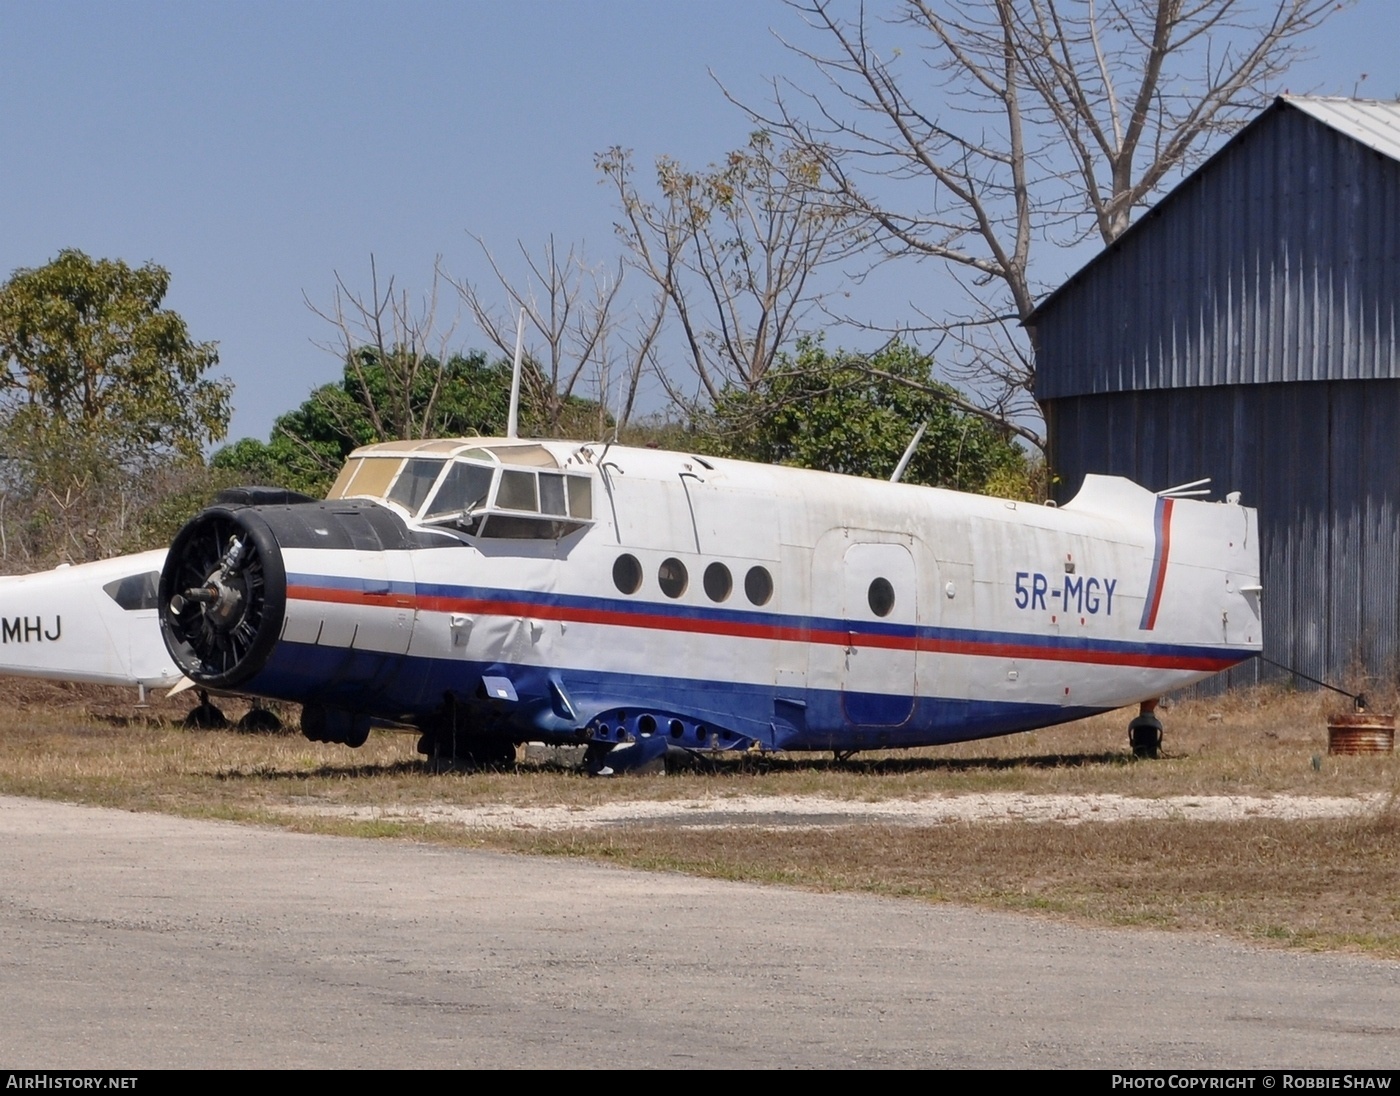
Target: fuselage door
[{"x": 880, "y": 612}]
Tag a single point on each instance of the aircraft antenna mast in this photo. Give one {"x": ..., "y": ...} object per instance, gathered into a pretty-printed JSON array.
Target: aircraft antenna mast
[
  {"x": 1194, "y": 489},
  {"x": 513, "y": 418},
  {"x": 909, "y": 452}
]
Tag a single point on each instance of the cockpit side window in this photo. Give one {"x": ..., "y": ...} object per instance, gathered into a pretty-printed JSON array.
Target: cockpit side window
[
  {"x": 580, "y": 497},
  {"x": 135, "y": 591},
  {"x": 552, "y": 494},
  {"x": 525, "y": 505},
  {"x": 517, "y": 491}
]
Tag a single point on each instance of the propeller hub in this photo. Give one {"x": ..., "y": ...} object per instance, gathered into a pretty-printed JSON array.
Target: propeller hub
[{"x": 225, "y": 601}]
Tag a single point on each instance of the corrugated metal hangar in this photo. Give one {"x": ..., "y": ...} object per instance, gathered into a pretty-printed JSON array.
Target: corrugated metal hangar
[{"x": 1246, "y": 329}]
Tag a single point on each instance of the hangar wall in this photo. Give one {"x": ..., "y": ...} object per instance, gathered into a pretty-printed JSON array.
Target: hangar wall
[
  {"x": 1248, "y": 329},
  {"x": 1317, "y": 459}
]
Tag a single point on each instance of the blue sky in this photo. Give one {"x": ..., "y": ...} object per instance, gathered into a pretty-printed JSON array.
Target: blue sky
[{"x": 255, "y": 149}]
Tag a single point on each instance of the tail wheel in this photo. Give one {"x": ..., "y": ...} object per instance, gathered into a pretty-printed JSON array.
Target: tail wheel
[{"x": 222, "y": 597}]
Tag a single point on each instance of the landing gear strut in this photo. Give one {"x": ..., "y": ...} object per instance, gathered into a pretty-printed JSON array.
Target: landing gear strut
[{"x": 1145, "y": 732}]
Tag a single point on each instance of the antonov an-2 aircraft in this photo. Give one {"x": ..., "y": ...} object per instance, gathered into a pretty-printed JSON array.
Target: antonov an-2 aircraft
[{"x": 496, "y": 591}]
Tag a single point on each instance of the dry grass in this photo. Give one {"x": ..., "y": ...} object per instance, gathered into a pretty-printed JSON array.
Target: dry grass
[
  {"x": 1314, "y": 884},
  {"x": 60, "y": 739},
  {"x": 1329, "y": 884}
]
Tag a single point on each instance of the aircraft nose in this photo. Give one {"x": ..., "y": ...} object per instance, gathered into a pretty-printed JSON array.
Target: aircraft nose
[{"x": 223, "y": 596}]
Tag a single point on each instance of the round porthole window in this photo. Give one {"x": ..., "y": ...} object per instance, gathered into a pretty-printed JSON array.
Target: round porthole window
[
  {"x": 719, "y": 584},
  {"x": 627, "y": 574},
  {"x": 881, "y": 597},
  {"x": 672, "y": 577},
  {"x": 758, "y": 585}
]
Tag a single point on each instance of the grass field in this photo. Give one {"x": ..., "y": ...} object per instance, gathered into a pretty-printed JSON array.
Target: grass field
[{"x": 1310, "y": 882}]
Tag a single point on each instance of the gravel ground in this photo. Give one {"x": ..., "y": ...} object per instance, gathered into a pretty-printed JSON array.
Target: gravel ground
[{"x": 815, "y": 812}]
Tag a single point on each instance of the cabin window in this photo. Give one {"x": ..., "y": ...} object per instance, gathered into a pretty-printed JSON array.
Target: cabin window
[
  {"x": 718, "y": 582},
  {"x": 135, "y": 591},
  {"x": 627, "y": 574},
  {"x": 415, "y": 481},
  {"x": 881, "y": 597},
  {"x": 672, "y": 577},
  {"x": 758, "y": 585}
]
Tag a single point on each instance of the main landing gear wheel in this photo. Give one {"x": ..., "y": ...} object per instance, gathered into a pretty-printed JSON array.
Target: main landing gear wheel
[
  {"x": 1145, "y": 732},
  {"x": 206, "y": 717},
  {"x": 320, "y": 724},
  {"x": 474, "y": 750},
  {"x": 259, "y": 721}
]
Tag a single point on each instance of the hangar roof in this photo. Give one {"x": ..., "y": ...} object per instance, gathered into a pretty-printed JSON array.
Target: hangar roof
[
  {"x": 1371, "y": 122},
  {"x": 1273, "y": 262}
]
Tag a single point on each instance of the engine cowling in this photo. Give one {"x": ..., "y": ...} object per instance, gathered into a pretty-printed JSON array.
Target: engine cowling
[{"x": 223, "y": 596}]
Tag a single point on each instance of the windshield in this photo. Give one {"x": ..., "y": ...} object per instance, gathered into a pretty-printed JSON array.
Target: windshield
[
  {"x": 474, "y": 492},
  {"x": 465, "y": 487}
]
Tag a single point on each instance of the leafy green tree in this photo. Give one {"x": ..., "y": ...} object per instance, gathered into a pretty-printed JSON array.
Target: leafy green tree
[
  {"x": 855, "y": 413},
  {"x": 105, "y": 409},
  {"x": 85, "y": 346}
]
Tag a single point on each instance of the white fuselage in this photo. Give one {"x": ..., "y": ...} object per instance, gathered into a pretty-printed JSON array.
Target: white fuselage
[{"x": 792, "y": 608}]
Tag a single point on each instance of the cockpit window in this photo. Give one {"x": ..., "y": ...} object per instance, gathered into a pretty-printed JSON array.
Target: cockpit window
[
  {"x": 552, "y": 494},
  {"x": 372, "y": 477},
  {"x": 414, "y": 482},
  {"x": 465, "y": 487},
  {"x": 474, "y": 492},
  {"x": 342, "y": 481},
  {"x": 517, "y": 491},
  {"x": 580, "y": 497},
  {"x": 135, "y": 591}
]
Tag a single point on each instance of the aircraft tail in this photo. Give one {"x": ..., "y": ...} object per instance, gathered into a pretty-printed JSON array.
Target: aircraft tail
[{"x": 1202, "y": 559}]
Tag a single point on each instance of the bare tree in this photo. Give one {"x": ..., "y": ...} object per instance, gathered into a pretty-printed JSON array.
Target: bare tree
[
  {"x": 394, "y": 349},
  {"x": 970, "y": 132},
  {"x": 576, "y": 310},
  {"x": 733, "y": 250}
]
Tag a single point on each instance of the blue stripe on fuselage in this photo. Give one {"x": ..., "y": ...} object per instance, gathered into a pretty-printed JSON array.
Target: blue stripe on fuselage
[{"x": 400, "y": 687}]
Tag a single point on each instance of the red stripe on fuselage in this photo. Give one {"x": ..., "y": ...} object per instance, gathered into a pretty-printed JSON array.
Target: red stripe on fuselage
[
  {"x": 1159, "y": 576},
  {"x": 739, "y": 630}
]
